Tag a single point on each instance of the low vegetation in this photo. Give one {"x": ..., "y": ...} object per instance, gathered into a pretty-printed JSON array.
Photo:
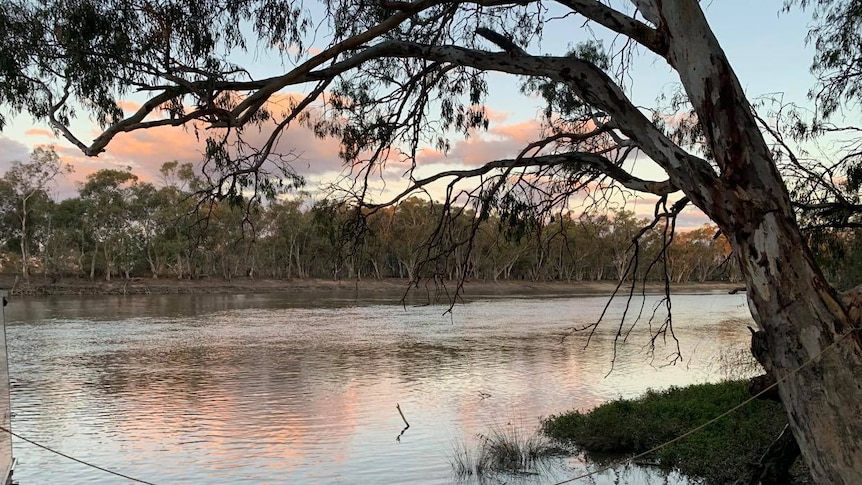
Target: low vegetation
[
  {"x": 720, "y": 453},
  {"x": 509, "y": 449}
]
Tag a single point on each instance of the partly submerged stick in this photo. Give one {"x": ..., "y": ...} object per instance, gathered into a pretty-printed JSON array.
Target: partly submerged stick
[{"x": 406, "y": 424}]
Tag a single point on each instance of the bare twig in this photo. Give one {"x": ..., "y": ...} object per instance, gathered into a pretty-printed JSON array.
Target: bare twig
[{"x": 406, "y": 424}]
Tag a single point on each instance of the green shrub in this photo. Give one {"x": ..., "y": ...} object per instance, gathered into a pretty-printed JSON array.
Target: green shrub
[{"x": 720, "y": 453}]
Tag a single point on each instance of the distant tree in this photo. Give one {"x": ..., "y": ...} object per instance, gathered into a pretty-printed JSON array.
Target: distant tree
[
  {"x": 26, "y": 189},
  {"x": 107, "y": 194},
  {"x": 70, "y": 239}
]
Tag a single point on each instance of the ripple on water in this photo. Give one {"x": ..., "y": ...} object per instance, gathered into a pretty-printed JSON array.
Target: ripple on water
[{"x": 269, "y": 390}]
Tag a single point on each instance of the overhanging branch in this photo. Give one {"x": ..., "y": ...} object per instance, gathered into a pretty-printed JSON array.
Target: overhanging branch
[
  {"x": 579, "y": 159},
  {"x": 688, "y": 172}
]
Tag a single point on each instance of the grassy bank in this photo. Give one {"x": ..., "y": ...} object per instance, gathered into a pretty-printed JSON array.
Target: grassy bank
[{"x": 720, "y": 453}]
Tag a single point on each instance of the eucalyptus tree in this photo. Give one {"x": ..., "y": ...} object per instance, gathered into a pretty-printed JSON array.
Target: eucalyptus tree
[
  {"x": 107, "y": 194},
  {"x": 398, "y": 76},
  {"x": 28, "y": 184},
  {"x": 409, "y": 225},
  {"x": 284, "y": 237},
  {"x": 70, "y": 238}
]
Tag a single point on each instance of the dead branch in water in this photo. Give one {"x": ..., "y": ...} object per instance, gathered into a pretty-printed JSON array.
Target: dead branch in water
[{"x": 406, "y": 424}]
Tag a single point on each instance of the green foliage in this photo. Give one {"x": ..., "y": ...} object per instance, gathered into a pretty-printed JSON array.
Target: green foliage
[
  {"x": 26, "y": 204},
  {"x": 835, "y": 36},
  {"x": 513, "y": 449},
  {"x": 839, "y": 254},
  {"x": 559, "y": 99},
  {"x": 720, "y": 453},
  {"x": 99, "y": 51},
  {"x": 119, "y": 226}
]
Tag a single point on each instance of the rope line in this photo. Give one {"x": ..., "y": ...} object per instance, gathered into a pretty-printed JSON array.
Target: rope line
[
  {"x": 713, "y": 420},
  {"x": 97, "y": 467}
]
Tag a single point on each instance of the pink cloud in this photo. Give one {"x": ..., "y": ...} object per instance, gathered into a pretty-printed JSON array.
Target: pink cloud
[
  {"x": 128, "y": 107},
  {"x": 495, "y": 116},
  {"x": 153, "y": 147},
  {"x": 40, "y": 132},
  {"x": 525, "y": 131},
  {"x": 146, "y": 150},
  {"x": 501, "y": 141}
]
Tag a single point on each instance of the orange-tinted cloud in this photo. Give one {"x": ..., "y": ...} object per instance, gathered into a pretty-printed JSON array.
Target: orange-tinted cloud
[
  {"x": 128, "y": 107},
  {"x": 39, "y": 132},
  {"x": 493, "y": 115},
  {"x": 525, "y": 131},
  {"x": 146, "y": 150},
  {"x": 501, "y": 141}
]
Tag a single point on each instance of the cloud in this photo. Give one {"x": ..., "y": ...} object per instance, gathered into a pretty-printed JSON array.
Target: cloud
[
  {"x": 501, "y": 141},
  {"x": 10, "y": 151},
  {"x": 146, "y": 150},
  {"x": 690, "y": 219},
  {"x": 317, "y": 159},
  {"x": 128, "y": 107},
  {"x": 495, "y": 116},
  {"x": 524, "y": 132},
  {"x": 40, "y": 132}
]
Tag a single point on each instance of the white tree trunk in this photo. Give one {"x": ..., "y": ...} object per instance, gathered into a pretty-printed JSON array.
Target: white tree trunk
[{"x": 791, "y": 300}]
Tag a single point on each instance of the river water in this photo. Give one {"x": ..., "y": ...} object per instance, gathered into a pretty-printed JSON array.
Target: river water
[{"x": 212, "y": 389}]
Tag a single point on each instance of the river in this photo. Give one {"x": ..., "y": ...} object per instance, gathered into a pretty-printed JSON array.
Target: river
[{"x": 236, "y": 389}]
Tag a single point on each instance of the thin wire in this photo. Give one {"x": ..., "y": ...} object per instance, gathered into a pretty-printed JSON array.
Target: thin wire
[
  {"x": 704, "y": 425},
  {"x": 75, "y": 459}
]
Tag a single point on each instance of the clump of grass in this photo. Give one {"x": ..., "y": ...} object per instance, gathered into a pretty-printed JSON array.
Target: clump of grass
[
  {"x": 466, "y": 462},
  {"x": 508, "y": 449},
  {"x": 720, "y": 453},
  {"x": 511, "y": 449}
]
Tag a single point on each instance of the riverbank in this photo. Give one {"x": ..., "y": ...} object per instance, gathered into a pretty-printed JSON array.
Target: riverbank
[
  {"x": 721, "y": 453},
  {"x": 40, "y": 286}
]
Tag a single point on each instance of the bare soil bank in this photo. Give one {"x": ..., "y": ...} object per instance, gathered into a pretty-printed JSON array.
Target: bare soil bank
[{"x": 40, "y": 286}]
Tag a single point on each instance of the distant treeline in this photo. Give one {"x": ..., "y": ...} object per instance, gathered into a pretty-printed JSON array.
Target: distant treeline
[{"x": 119, "y": 227}]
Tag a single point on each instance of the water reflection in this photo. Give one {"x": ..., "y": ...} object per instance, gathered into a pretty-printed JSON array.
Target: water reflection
[{"x": 270, "y": 389}]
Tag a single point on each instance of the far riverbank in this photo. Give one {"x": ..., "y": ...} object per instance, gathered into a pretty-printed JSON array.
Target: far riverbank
[{"x": 40, "y": 286}]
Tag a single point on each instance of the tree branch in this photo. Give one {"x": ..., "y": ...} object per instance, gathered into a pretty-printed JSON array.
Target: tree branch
[
  {"x": 501, "y": 41},
  {"x": 585, "y": 159},
  {"x": 620, "y": 23},
  {"x": 691, "y": 174}
]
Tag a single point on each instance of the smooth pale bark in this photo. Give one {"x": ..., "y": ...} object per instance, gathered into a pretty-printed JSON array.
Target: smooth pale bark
[
  {"x": 25, "y": 269},
  {"x": 790, "y": 299}
]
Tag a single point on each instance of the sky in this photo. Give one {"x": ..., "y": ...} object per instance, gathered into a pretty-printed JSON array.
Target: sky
[{"x": 766, "y": 48}]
